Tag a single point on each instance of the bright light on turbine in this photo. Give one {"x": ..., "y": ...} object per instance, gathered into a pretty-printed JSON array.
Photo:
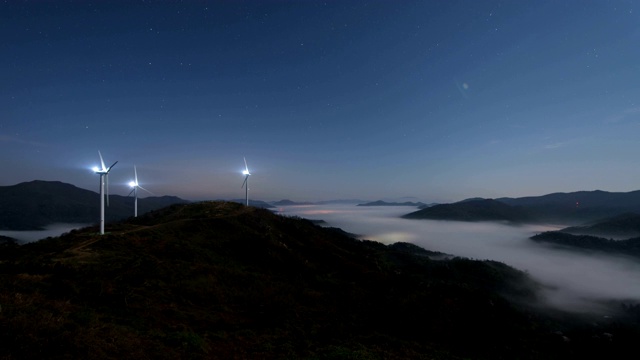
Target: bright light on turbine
[
  {"x": 245, "y": 172},
  {"x": 132, "y": 183},
  {"x": 95, "y": 169}
]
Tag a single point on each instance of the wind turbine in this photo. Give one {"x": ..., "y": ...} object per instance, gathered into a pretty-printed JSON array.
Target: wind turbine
[
  {"x": 104, "y": 175},
  {"x": 245, "y": 184},
  {"x": 134, "y": 184}
]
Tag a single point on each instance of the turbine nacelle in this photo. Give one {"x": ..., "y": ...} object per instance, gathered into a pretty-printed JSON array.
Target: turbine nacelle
[
  {"x": 245, "y": 172},
  {"x": 104, "y": 169},
  {"x": 134, "y": 183}
]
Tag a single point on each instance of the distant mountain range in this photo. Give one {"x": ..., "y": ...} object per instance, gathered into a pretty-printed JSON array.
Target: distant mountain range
[
  {"x": 572, "y": 208},
  {"x": 287, "y": 202},
  {"x": 472, "y": 210},
  {"x": 385, "y": 203},
  {"x": 255, "y": 203},
  {"x": 579, "y": 206},
  {"x": 36, "y": 204}
]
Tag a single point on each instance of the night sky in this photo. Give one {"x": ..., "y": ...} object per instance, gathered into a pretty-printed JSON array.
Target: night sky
[{"x": 436, "y": 100}]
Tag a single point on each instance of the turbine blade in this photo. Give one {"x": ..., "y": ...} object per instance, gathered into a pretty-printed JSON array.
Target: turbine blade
[
  {"x": 114, "y": 164},
  {"x": 132, "y": 190},
  {"x": 135, "y": 172},
  {"x": 101, "y": 161},
  {"x": 245, "y": 182},
  {"x": 146, "y": 190},
  {"x": 245, "y": 164}
]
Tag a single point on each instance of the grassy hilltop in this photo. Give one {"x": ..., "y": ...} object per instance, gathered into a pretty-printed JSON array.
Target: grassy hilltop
[{"x": 219, "y": 280}]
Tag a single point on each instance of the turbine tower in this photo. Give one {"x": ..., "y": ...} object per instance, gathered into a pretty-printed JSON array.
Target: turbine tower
[
  {"x": 104, "y": 176},
  {"x": 134, "y": 184},
  {"x": 245, "y": 184}
]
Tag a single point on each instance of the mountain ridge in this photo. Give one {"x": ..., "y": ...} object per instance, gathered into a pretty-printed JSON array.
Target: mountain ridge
[
  {"x": 574, "y": 208},
  {"x": 472, "y": 210},
  {"x": 623, "y": 226},
  {"x": 35, "y": 204},
  {"x": 387, "y": 203}
]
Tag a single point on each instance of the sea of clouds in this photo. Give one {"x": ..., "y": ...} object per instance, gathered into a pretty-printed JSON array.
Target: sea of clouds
[{"x": 574, "y": 279}]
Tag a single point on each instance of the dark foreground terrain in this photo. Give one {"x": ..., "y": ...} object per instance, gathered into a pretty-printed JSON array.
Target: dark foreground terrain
[{"x": 221, "y": 281}]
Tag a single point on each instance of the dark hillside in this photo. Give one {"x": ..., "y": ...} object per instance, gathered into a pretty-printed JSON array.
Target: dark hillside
[
  {"x": 218, "y": 280},
  {"x": 579, "y": 206},
  {"x": 36, "y": 204},
  {"x": 5, "y": 240},
  {"x": 623, "y": 226},
  {"x": 472, "y": 210},
  {"x": 629, "y": 247}
]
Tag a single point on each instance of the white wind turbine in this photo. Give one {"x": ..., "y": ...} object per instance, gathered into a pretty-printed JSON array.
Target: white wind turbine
[
  {"x": 134, "y": 184},
  {"x": 104, "y": 176},
  {"x": 245, "y": 184}
]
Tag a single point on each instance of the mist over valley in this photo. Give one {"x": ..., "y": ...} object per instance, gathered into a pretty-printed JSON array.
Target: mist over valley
[
  {"x": 51, "y": 230},
  {"x": 575, "y": 280}
]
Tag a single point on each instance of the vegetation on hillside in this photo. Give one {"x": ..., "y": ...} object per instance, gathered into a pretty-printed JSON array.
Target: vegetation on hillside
[
  {"x": 587, "y": 242},
  {"x": 219, "y": 280}
]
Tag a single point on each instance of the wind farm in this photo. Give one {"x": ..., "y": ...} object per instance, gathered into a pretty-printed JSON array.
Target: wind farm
[{"x": 135, "y": 186}]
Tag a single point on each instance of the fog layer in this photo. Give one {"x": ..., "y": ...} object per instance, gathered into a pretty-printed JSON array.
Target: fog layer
[
  {"x": 576, "y": 280},
  {"x": 34, "y": 235}
]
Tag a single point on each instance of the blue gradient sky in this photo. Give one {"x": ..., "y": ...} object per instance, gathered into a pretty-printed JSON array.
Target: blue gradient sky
[{"x": 438, "y": 100}]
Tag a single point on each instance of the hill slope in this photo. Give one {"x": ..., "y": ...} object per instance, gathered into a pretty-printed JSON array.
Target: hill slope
[
  {"x": 33, "y": 205},
  {"x": 629, "y": 247},
  {"x": 572, "y": 208},
  {"x": 221, "y": 281},
  {"x": 471, "y": 210},
  {"x": 623, "y": 226},
  {"x": 579, "y": 206}
]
